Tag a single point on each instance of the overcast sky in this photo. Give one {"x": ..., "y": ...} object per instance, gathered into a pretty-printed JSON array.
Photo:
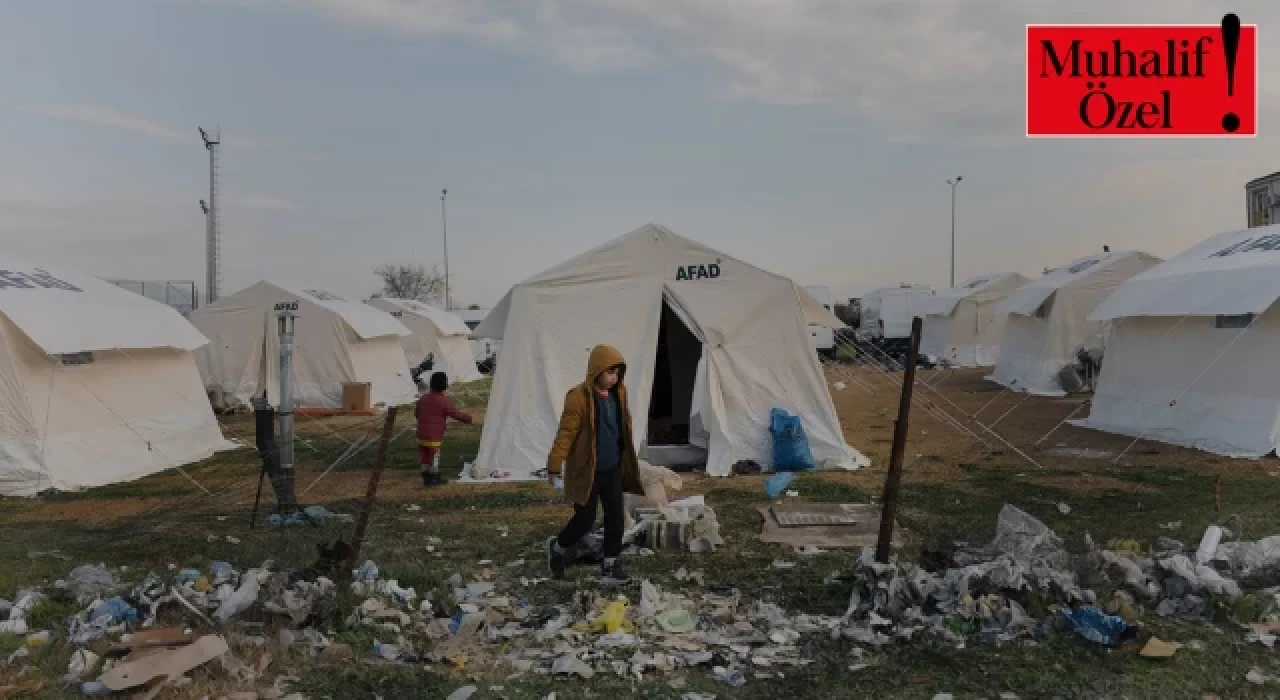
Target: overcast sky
[{"x": 809, "y": 137}]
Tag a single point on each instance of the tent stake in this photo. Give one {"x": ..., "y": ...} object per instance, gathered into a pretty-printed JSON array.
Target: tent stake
[
  {"x": 371, "y": 495},
  {"x": 894, "y": 477}
]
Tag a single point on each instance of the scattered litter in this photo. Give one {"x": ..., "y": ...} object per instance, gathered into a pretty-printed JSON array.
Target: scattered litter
[
  {"x": 1171, "y": 525},
  {"x": 413, "y": 508},
  {"x": 1158, "y": 649},
  {"x": 572, "y": 665},
  {"x": 677, "y": 621},
  {"x": 839, "y": 386},
  {"x": 1257, "y": 677},
  {"x": 1064, "y": 509},
  {"x": 1095, "y": 625},
  {"x": 169, "y": 663},
  {"x": 780, "y": 564},
  {"x": 89, "y": 582},
  {"x": 463, "y": 693},
  {"x": 232, "y": 540}
]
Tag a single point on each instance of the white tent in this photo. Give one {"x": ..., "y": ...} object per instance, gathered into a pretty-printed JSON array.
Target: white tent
[
  {"x": 963, "y": 325},
  {"x": 712, "y": 344},
  {"x": 97, "y": 384},
  {"x": 1048, "y": 319},
  {"x": 1192, "y": 355},
  {"x": 335, "y": 341},
  {"x": 435, "y": 332}
]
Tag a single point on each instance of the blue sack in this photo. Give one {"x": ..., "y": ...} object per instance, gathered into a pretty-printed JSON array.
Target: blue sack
[{"x": 791, "y": 451}]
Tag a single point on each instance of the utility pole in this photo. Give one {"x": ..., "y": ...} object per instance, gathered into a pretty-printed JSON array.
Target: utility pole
[
  {"x": 288, "y": 501},
  {"x": 213, "y": 240},
  {"x": 954, "y": 184},
  {"x": 444, "y": 226}
]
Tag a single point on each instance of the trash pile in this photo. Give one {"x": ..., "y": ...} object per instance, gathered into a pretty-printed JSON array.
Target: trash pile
[{"x": 991, "y": 589}]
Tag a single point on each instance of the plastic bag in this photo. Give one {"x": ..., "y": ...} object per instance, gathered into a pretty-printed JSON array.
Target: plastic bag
[
  {"x": 778, "y": 483},
  {"x": 1095, "y": 625},
  {"x": 791, "y": 451}
]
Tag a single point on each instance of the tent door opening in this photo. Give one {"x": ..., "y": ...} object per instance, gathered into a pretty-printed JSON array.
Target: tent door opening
[{"x": 671, "y": 400}]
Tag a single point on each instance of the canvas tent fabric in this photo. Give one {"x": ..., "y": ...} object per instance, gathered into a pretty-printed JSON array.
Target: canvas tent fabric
[
  {"x": 97, "y": 384},
  {"x": 435, "y": 332},
  {"x": 335, "y": 341},
  {"x": 963, "y": 325},
  {"x": 1049, "y": 322},
  {"x": 1186, "y": 363},
  {"x": 749, "y": 332}
]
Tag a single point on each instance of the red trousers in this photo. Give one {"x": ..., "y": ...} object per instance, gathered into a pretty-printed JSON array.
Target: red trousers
[{"x": 429, "y": 458}]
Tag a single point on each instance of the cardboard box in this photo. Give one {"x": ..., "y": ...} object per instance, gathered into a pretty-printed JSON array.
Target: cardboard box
[{"x": 356, "y": 396}]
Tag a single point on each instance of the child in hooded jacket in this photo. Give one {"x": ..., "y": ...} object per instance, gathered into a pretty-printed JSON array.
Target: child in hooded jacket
[
  {"x": 433, "y": 411},
  {"x": 595, "y": 453}
]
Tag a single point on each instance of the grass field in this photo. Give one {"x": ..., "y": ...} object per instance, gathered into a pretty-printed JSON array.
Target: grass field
[{"x": 953, "y": 489}]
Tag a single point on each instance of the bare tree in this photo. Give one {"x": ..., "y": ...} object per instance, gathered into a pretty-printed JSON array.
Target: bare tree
[{"x": 411, "y": 282}]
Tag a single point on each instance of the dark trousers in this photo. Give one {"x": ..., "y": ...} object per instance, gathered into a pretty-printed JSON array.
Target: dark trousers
[{"x": 606, "y": 491}]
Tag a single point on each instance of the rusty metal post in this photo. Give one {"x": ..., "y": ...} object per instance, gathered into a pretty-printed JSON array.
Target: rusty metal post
[
  {"x": 889, "y": 507},
  {"x": 370, "y": 496}
]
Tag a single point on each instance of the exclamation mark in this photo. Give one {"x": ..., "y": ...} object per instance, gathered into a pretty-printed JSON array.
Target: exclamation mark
[{"x": 1230, "y": 45}]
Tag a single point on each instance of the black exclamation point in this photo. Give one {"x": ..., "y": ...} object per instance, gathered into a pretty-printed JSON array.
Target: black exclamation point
[{"x": 1230, "y": 45}]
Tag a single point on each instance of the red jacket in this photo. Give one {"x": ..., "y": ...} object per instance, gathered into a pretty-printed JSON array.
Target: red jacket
[{"x": 432, "y": 410}]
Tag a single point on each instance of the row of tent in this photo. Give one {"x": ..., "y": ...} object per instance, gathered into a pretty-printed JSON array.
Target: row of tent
[
  {"x": 99, "y": 385},
  {"x": 1188, "y": 342}
]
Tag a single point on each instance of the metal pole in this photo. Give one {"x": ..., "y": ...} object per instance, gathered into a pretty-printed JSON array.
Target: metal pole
[
  {"x": 444, "y": 226},
  {"x": 286, "y": 321},
  {"x": 894, "y": 478},
  {"x": 371, "y": 494},
  {"x": 954, "y": 183}
]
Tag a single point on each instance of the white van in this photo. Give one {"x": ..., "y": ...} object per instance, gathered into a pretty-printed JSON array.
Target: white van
[
  {"x": 822, "y": 338},
  {"x": 887, "y": 312}
]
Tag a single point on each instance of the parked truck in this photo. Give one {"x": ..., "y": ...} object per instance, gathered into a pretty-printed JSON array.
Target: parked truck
[
  {"x": 887, "y": 313},
  {"x": 822, "y": 338}
]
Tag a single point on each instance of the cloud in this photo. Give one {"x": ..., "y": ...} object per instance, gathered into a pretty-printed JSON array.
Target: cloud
[
  {"x": 108, "y": 117},
  {"x": 261, "y": 202},
  {"x": 918, "y": 69},
  {"x": 112, "y": 118}
]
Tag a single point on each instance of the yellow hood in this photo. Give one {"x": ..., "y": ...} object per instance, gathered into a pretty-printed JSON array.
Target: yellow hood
[{"x": 602, "y": 358}]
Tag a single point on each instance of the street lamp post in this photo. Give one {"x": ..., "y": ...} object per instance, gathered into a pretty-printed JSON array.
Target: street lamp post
[
  {"x": 954, "y": 183},
  {"x": 444, "y": 226}
]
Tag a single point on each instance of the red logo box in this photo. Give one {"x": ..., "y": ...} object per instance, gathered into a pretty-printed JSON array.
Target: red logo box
[{"x": 1142, "y": 80}]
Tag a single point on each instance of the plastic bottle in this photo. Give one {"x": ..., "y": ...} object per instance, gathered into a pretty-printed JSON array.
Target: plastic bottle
[{"x": 1209, "y": 544}]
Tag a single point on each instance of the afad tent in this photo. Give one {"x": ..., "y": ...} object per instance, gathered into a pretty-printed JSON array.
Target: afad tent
[
  {"x": 712, "y": 345},
  {"x": 1192, "y": 355},
  {"x": 335, "y": 342},
  {"x": 435, "y": 332},
  {"x": 1048, "y": 319},
  {"x": 97, "y": 384},
  {"x": 963, "y": 326}
]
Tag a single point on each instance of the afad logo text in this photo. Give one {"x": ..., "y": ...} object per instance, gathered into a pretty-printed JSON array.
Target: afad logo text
[{"x": 699, "y": 272}]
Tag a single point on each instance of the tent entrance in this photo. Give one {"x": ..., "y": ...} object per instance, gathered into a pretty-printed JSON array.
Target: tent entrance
[{"x": 671, "y": 400}]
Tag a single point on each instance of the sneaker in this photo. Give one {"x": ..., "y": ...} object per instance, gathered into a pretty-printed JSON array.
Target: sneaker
[
  {"x": 555, "y": 559},
  {"x": 434, "y": 479},
  {"x": 426, "y": 478},
  {"x": 611, "y": 573}
]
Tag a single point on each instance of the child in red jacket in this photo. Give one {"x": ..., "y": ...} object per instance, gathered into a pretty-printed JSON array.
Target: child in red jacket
[{"x": 432, "y": 411}]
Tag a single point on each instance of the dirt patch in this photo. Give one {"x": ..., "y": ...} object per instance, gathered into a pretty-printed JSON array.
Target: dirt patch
[
  {"x": 89, "y": 512},
  {"x": 1090, "y": 484}
]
